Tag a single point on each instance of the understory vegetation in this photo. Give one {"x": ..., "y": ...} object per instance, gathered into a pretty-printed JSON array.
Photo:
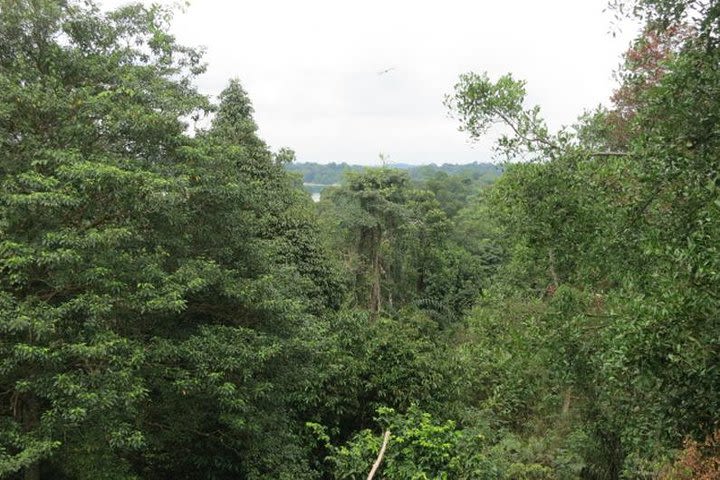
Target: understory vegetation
[{"x": 174, "y": 305}]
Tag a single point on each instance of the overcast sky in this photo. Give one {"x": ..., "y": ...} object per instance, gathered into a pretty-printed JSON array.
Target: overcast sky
[{"x": 312, "y": 67}]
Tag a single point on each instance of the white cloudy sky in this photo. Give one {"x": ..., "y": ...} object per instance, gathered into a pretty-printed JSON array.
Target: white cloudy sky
[{"x": 311, "y": 67}]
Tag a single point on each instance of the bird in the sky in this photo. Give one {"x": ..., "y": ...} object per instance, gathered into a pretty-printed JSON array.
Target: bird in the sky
[{"x": 387, "y": 70}]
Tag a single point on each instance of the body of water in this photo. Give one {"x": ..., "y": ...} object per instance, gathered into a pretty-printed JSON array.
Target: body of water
[{"x": 315, "y": 189}]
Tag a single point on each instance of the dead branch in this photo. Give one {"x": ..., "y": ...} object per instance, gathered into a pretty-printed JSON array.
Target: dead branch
[{"x": 376, "y": 465}]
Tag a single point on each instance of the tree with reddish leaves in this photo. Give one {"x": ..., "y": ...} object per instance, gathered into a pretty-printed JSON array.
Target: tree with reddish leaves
[{"x": 645, "y": 63}]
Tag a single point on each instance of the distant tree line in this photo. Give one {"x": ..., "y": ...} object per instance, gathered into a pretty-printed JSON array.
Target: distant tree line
[{"x": 333, "y": 173}]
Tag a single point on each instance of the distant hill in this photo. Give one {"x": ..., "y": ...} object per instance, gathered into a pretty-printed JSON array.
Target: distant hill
[{"x": 332, "y": 173}]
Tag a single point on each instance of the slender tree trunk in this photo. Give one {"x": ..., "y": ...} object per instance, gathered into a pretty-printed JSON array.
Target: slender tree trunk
[
  {"x": 420, "y": 283},
  {"x": 567, "y": 400},
  {"x": 553, "y": 272},
  {"x": 30, "y": 418},
  {"x": 376, "y": 272}
]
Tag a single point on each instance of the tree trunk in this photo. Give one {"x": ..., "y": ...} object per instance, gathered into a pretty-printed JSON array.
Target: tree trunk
[
  {"x": 30, "y": 418},
  {"x": 553, "y": 271},
  {"x": 375, "y": 287},
  {"x": 567, "y": 400},
  {"x": 376, "y": 272},
  {"x": 420, "y": 283}
]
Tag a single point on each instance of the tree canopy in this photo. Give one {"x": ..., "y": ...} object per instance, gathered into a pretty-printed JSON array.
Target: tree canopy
[{"x": 174, "y": 305}]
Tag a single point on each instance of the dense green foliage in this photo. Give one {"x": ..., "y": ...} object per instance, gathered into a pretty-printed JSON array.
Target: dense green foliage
[
  {"x": 173, "y": 305},
  {"x": 155, "y": 287}
]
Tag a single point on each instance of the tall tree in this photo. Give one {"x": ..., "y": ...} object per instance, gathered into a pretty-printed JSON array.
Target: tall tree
[
  {"x": 154, "y": 286},
  {"x": 89, "y": 126},
  {"x": 371, "y": 207}
]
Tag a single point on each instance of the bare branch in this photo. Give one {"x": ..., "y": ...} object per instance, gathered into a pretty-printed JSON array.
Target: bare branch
[{"x": 376, "y": 465}]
